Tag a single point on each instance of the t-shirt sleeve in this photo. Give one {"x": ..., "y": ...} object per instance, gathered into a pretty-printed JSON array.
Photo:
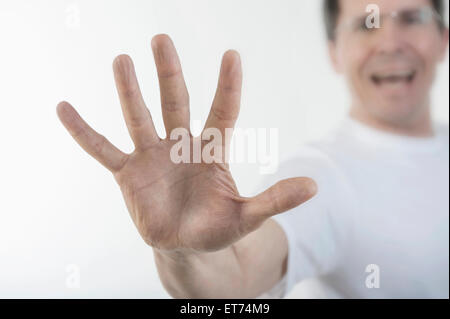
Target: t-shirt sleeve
[{"x": 316, "y": 229}]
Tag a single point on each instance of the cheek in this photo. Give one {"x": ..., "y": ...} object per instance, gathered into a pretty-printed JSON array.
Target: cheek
[
  {"x": 428, "y": 50},
  {"x": 354, "y": 59}
]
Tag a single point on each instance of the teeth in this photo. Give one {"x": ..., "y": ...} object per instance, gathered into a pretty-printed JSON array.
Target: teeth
[
  {"x": 403, "y": 74},
  {"x": 394, "y": 77}
]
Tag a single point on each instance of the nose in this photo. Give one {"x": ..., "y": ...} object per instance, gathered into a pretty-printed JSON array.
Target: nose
[{"x": 390, "y": 38}]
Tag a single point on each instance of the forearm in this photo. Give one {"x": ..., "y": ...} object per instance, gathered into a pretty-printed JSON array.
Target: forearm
[
  {"x": 246, "y": 269},
  {"x": 201, "y": 275}
]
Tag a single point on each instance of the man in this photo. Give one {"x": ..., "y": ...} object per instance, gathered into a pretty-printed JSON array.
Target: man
[{"x": 378, "y": 225}]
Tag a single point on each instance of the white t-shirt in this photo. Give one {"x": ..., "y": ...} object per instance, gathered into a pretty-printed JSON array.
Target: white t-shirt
[{"x": 379, "y": 224}]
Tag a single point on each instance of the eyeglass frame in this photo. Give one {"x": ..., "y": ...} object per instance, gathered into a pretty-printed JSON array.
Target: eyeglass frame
[{"x": 349, "y": 24}]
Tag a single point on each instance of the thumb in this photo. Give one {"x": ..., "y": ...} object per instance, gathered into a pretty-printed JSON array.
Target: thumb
[{"x": 282, "y": 196}]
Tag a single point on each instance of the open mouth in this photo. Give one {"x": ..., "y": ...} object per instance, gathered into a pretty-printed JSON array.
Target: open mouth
[{"x": 401, "y": 77}]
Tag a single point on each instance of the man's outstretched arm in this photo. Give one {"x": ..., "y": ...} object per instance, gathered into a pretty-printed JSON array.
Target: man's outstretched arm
[
  {"x": 208, "y": 240},
  {"x": 246, "y": 269}
]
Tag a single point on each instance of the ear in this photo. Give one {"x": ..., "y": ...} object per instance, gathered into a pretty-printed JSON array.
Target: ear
[
  {"x": 332, "y": 51},
  {"x": 444, "y": 45}
]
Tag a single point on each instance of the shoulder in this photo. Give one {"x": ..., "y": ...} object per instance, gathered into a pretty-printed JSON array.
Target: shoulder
[
  {"x": 442, "y": 131},
  {"x": 316, "y": 161},
  {"x": 442, "y": 135}
]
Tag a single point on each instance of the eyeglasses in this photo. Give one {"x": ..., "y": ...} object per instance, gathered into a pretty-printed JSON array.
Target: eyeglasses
[{"x": 408, "y": 19}]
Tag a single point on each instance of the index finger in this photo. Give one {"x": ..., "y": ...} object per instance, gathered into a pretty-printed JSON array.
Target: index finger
[{"x": 225, "y": 108}]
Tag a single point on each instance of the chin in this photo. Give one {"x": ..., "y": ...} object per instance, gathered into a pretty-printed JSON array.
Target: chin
[{"x": 400, "y": 113}]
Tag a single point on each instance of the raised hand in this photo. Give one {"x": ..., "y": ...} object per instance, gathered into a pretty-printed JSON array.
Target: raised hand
[{"x": 185, "y": 206}]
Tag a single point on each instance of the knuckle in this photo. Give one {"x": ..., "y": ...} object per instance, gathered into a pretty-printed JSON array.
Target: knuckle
[
  {"x": 169, "y": 71},
  {"x": 136, "y": 122},
  {"x": 275, "y": 198},
  {"x": 171, "y": 105},
  {"x": 223, "y": 114},
  {"x": 99, "y": 144},
  {"x": 176, "y": 103},
  {"x": 130, "y": 92}
]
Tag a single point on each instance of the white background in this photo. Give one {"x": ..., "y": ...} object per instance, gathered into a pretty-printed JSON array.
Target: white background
[{"x": 58, "y": 206}]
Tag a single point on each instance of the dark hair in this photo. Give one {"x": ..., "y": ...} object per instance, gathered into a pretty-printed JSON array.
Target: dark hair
[{"x": 331, "y": 13}]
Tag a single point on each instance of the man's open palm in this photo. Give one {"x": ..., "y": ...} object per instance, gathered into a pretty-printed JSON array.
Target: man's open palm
[{"x": 187, "y": 206}]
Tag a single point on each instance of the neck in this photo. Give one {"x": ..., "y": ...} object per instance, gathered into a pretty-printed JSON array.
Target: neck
[{"x": 420, "y": 126}]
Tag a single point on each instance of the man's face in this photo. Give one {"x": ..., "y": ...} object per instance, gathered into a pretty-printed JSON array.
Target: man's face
[{"x": 390, "y": 69}]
